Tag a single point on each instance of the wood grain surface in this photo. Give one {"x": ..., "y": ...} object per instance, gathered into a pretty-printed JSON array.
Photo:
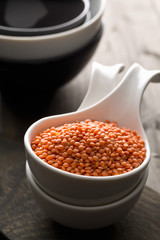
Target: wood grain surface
[{"x": 131, "y": 34}]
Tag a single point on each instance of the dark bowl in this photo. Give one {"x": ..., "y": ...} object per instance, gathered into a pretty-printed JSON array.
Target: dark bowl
[
  {"x": 24, "y": 80},
  {"x": 33, "y": 18},
  {"x": 53, "y": 72}
]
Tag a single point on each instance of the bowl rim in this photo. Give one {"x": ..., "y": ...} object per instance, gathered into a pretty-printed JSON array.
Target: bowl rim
[
  {"x": 133, "y": 193},
  {"x": 19, "y": 31},
  {"x": 27, "y": 139},
  {"x": 93, "y": 19}
]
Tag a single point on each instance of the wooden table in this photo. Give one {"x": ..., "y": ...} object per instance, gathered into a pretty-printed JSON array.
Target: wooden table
[{"x": 131, "y": 34}]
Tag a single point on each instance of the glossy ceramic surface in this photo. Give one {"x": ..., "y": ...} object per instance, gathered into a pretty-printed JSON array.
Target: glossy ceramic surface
[
  {"x": 37, "y": 17},
  {"x": 38, "y": 48},
  {"x": 84, "y": 189},
  {"x": 85, "y": 217},
  {"x": 103, "y": 81}
]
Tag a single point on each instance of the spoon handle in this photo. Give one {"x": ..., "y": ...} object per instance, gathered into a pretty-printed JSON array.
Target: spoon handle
[
  {"x": 134, "y": 83},
  {"x": 103, "y": 80},
  {"x": 123, "y": 103}
]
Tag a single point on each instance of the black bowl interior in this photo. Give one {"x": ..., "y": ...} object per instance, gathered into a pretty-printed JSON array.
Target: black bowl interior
[{"x": 41, "y": 17}]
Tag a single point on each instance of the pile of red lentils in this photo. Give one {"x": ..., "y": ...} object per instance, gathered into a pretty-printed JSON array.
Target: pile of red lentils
[{"x": 91, "y": 148}]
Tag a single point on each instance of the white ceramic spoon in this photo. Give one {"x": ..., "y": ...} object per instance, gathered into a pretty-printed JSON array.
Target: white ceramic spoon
[
  {"x": 103, "y": 80},
  {"x": 122, "y": 105}
]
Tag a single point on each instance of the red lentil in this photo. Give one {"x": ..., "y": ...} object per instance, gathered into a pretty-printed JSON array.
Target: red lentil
[{"x": 91, "y": 148}]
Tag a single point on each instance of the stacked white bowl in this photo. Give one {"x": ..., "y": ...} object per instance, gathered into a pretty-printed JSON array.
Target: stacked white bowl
[
  {"x": 84, "y": 217},
  {"x": 84, "y": 202},
  {"x": 77, "y": 201}
]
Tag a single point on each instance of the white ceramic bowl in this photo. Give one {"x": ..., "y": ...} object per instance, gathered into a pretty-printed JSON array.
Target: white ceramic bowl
[
  {"x": 85, "y": 217},
  {"x": 87, "y": 190},
  {"x": 77, "y": 189},
  {"x": 31, "y": 48},
  {"x": 81, "y": 190}
]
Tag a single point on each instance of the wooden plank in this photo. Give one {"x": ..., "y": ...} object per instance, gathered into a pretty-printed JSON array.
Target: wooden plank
[{"x": 131, "y": 34}]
